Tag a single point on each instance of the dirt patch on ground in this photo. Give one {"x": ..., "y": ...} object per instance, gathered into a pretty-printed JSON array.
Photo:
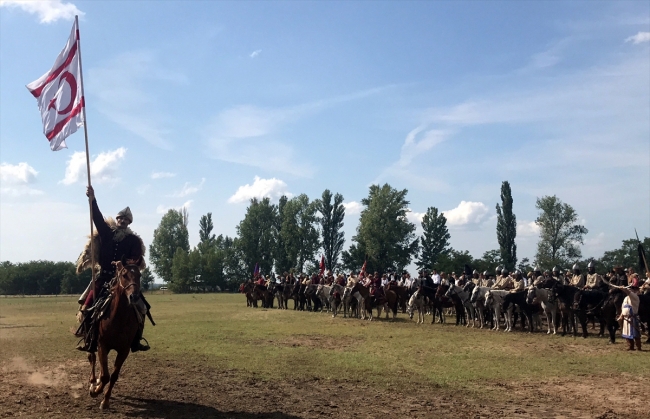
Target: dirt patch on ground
[
  {"x": 173, "y": 388},
  {"x": 336, "y": 343}
]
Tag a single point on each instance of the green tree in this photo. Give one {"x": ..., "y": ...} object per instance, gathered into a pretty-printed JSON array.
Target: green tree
[
  {"x": 560, "y": 233},
  {"x": 234, "y": 269},
  {"x": 181, "y": 272},
  {"x": 435, "y": 238},
  {"x": 282, "y": 261},
  {"x": 507, "y": 228},
  {"x": 489, "y": 261},
  {"x": 384, "y": 231},
  {"x": 212, "y": 269},
  {"x": 331, "y": 222},
  {"x": 454, "y": 261},
  {"x": 71, "y": 283},
  {"x": 525, "y": 266},
  {"x": 170, "y": 235},
  {"x": 257, "y": 235},
  {"x": 206, "y": 238},
  {"x": 146, "y": 278},
  {"x": 626, "y": 256},
  {"x": 299, "y": 232},
  {"x": 353, "y": 258}
]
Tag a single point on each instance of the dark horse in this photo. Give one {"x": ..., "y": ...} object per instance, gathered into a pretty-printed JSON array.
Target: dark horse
[
  {"x": 440, "y": 302},
  {"x": 117, "y": 330},
  {"x": 565, "y": 296},
  {"x": 519, "y": 299},
  {"x": 591, "y": 302}
]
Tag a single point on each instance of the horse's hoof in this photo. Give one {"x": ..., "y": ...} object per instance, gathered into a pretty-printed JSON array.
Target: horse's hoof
[{"x": 103, "y": 405}]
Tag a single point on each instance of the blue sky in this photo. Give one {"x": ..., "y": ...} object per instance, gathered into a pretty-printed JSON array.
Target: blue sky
[{"x": 207, "y": 104}]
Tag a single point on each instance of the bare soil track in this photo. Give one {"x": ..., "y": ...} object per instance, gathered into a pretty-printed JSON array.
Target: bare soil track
[{"x": 151, "y": 387}]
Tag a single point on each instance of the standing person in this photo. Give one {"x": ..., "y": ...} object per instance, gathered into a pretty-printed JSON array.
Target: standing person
[
  {"x": 630, "y": 314},
  {"x": 116, "y": 243}
]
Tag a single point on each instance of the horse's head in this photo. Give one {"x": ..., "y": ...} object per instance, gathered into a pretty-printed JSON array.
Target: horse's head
[
  {"x": 469, "y": 287},
  {"x": 128, "y": 281},
  {"x": 489, "y": 298},
  {"x": 475, "y": 294},
  {"x": 450, "y": 291},
  {"x": 532, "y": 293}
]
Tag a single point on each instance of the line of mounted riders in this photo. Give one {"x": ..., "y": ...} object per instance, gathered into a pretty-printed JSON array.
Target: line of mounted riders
[{"x": 476, "y": 299}]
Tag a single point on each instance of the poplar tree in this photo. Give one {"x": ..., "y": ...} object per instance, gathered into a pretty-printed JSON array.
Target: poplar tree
[
  {"x": 507, "y": 228},
  {"x": 331, "y": 225}
]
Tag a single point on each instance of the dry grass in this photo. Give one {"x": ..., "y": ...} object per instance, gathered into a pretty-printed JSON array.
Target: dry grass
[{"x": 275, "y": 344}]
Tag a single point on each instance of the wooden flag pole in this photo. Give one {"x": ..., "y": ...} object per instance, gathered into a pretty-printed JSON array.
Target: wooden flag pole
[{"x": 90, "y": 198}]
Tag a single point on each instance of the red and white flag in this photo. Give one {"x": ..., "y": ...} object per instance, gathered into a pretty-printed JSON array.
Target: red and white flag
[{"x": 59, "y": 94}]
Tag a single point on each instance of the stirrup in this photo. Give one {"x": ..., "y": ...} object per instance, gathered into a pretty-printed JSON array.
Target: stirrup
[
  {"x": 139, "y": 347},
  {"x": 82, "y": 345}
]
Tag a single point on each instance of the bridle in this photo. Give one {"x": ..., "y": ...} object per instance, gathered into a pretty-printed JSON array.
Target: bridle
[{"x": 120, "y": 275}]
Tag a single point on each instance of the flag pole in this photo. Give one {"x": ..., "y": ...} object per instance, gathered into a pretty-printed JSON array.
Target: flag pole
[{"x": 90, "y": 198}]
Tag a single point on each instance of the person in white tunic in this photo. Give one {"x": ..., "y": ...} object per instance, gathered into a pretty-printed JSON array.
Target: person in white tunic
[{"x": 630, "y": 315}]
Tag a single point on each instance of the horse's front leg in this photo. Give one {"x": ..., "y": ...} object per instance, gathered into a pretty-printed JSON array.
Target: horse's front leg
[
  {"x": 92, "y": 358},
  {"x": 104, "y": 376},
  {"x": 119, "y": 361}
]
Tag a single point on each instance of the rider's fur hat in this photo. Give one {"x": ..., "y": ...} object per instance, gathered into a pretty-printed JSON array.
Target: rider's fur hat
[{"x": 126, "y": 214}]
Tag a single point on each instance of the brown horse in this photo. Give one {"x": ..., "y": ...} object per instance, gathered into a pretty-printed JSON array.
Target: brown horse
[
  {"x": 117, "y": 330},
  {"x": 388, "y": 301}
]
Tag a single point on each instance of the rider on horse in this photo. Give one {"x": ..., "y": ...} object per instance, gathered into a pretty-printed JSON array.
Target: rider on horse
[{"x": 116, "y": 243}]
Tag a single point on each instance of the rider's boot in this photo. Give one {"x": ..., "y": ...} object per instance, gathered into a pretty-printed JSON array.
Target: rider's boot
[
  {"x": 136, "y": 345},
  {"x": 637, "y": 340},
  {"x": 89, "y": 343}
]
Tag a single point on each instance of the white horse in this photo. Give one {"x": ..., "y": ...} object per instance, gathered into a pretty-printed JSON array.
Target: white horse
[
  {"x": 323, "y": 292},
  {"x": 544, "y": 296},
  {"x": 417, "y": 302},
  {"x": 479, "y": 303},
  {"x": 494, "y": 299}
]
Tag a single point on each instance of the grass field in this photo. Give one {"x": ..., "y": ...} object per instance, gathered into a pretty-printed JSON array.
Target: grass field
[{"x": 284, "y": 345}]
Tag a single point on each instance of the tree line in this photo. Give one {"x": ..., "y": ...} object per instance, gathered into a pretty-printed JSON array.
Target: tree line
[{"x": 292, "y": 235}]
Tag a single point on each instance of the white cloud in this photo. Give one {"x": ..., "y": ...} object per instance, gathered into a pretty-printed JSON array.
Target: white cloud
[
  {"x": 261, "y": 188},
  {"x": 162, "y": 175},
  {"x": 161, "y": 209},
  {"x": 415, "y": 217},
  {"x": 17, "y": 174},
  {"x": 20, "y": 191},
  {"x": 352, "y": 208},
  {"x": 255, "y": 53},
  {"x": 102, "y": 169},
  {"x": 639, "y": 37},
  {"x": 47, "y": 11},
  {"x": 414, "y": 147},
  {"x": 466, "y": 213},
  {"x": 527, "y": 229},
  {"x": 249, "y": 134},
  {"x": 188, "y": 189}
]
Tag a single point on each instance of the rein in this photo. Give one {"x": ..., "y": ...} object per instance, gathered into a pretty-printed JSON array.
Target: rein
[{"x": 591, "y": 310}]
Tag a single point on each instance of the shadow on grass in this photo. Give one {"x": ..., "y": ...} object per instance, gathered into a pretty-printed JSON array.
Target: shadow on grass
[{"x": 152, "y": 408}]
